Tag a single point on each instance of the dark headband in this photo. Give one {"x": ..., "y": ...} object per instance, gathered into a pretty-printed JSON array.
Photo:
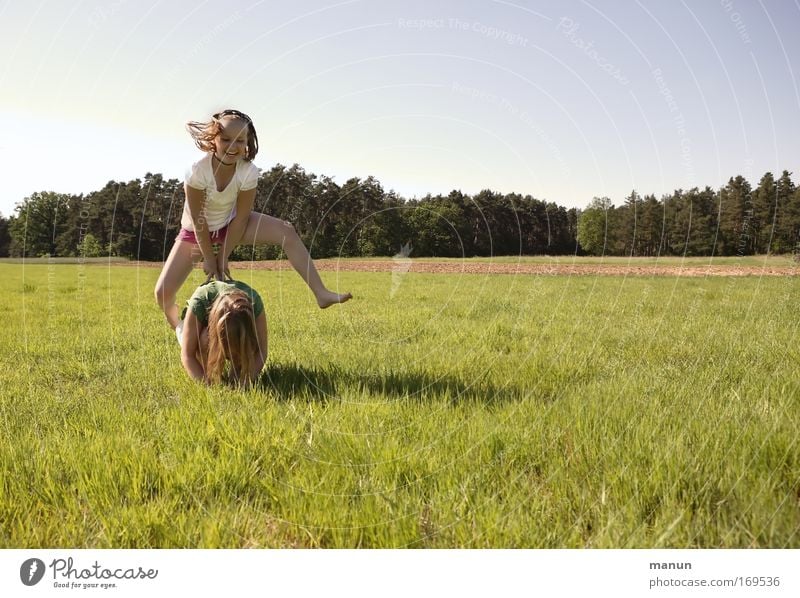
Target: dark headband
[{"x": 235, "y": 113}]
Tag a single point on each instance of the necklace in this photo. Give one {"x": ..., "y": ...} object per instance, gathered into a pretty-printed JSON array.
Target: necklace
[{"x": 221, "y": 162}]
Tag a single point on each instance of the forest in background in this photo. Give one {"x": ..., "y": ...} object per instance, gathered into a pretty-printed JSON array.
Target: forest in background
[{"x": 139, "y": 220}]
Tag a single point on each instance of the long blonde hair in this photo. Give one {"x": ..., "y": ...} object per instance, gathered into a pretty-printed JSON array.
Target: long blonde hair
[
  {"x": 204, "y": 133},
  {"x": 231, "y": 337}
]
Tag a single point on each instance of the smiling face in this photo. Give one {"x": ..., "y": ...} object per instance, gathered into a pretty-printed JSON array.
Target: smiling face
[{"x": 231, "y": 142}]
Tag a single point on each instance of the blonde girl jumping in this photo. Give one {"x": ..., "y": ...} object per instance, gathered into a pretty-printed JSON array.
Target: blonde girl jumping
[{"x": 220, "y": 194}]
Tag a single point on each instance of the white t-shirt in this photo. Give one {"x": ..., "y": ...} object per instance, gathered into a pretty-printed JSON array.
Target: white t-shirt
[{"x": 220, "y": 207}]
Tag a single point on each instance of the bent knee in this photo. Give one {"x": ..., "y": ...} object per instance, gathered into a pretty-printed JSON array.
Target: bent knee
[
  {"x": 163, "y": 295},
  {"x": 289, "y": 232}
]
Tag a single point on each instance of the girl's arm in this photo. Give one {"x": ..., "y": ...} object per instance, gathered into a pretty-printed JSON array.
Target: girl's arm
[
  {"x": 190, "y": 347},
  {"x": 244, "y": 205},
  {"x": 261, "y": 356},
  {"x": 196, "y": 199},
  {"x": 261, "y": 334}
]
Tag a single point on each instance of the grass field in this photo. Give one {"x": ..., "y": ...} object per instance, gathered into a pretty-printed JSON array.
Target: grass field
[{"x": 460, "y": 411}]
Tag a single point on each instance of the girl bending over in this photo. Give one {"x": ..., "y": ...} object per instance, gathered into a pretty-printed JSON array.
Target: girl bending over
[{"x": 224, "y": 334}]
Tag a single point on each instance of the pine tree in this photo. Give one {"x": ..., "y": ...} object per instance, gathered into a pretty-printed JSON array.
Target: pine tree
[
  {"x": 651, "y": 227},
  {"x": 5, "y": 237},
  {"x": 764, "y": 214},
  {"x": 736, "y": 217},
  {"x": 784, "y": 238}
]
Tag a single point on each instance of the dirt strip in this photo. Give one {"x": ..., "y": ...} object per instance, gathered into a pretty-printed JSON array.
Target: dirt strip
[{"x": 470, "y": 267}]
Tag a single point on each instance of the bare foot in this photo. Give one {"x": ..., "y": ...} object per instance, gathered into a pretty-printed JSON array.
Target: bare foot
[{"x": 328, "y": 298}]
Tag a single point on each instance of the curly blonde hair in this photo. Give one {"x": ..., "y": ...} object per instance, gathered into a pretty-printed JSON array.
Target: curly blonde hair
[
  {"x": 204, "y": 133},
  {"x": 232, "y": 338}
]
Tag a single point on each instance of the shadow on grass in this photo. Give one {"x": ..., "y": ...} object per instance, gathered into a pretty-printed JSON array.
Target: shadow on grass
[{"x": 292, "y": 381}]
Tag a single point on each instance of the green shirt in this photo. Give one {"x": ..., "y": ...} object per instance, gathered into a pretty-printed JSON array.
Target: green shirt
[{"x": 201, "y": 300}]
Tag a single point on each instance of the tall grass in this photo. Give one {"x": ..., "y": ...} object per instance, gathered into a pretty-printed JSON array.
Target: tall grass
[{"x": 460, "y": 411}]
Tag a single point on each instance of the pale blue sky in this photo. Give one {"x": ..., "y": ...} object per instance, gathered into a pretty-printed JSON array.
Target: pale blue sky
[{"x": 561, "y": 100}]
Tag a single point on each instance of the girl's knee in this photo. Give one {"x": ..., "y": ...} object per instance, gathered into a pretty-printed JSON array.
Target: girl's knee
[
  {"x": 163, "y": 295},
  {"x": 289, "y": 233}
]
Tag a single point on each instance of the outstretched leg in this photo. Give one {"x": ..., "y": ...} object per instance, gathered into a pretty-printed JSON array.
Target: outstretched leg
[
  {"x": 176, "y": 270},
  {"x": 262, "y": 229}
]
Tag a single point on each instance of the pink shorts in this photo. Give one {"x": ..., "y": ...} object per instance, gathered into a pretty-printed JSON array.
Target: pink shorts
[{"x": 217, "y": 236}]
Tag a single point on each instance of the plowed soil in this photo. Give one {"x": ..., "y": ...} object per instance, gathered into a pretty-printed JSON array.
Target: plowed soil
[{"x": 471, "y": 267}]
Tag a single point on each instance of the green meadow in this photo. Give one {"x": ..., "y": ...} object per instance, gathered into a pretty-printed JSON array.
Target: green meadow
[{"x": 430, "y": 411}]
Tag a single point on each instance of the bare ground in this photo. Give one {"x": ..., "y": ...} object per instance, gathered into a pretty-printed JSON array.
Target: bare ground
[{"x": 470, "y": 267}]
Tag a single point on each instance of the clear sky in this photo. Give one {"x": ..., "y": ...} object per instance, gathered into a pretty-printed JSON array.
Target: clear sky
[{"x": 560, "y": 100}]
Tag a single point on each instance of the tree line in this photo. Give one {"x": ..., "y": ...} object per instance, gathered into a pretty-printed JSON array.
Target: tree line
[
  {"x": 139, "y": 220},
  {"x": 734, "y": 220}
]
